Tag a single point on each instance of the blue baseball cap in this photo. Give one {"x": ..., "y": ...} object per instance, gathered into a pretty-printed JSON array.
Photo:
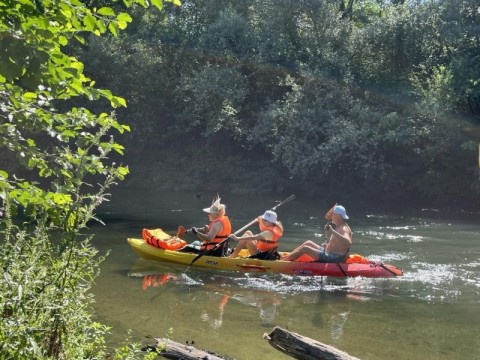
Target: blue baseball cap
[{"x": 340, "y": 210}]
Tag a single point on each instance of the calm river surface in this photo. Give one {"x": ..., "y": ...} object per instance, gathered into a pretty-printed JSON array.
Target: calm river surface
[{"x": 432, "y": 312}]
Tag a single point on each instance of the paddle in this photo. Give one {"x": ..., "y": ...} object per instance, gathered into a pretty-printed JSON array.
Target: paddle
[
  {"x": 181, "y": 231},
  {"x": 328, "y": 217},
  {"x": 290, "y": 198}
]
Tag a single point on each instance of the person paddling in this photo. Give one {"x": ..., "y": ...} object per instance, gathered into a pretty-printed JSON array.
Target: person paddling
[
  {"x": 216, "y": 231},
  {"x": 264, "y": 242},
  {"x": 339, "y": 240}
]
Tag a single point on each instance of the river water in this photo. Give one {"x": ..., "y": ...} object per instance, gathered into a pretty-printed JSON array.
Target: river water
[{"x": 432, "y": 312}]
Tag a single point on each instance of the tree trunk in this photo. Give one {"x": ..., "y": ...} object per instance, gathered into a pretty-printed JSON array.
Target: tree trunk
[
  {"x": 303, "y": 348},
  {"x": 172, "y": 350}
]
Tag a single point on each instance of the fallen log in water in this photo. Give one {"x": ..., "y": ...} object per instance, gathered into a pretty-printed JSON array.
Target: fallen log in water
[
  {"x": 304, "y": 348},
  {"x": 173, "y": 350}
]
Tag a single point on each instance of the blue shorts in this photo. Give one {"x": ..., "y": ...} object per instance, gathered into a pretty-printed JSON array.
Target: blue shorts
[{"x": 325, "y": 257}]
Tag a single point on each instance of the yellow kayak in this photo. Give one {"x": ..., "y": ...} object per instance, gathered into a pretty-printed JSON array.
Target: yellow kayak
[{"x": 245, "y": 264}]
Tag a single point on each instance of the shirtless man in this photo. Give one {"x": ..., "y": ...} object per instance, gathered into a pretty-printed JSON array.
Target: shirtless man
[{"x": 340, "y": 240}]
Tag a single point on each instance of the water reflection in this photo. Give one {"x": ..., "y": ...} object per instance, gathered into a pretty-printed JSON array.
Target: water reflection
[
  {"x": 213, "y": 294},
  {"x": 219, "y": 290}
]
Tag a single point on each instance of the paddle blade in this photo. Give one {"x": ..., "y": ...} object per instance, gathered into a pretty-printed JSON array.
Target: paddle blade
[
  {"x": 181, "y": 231},
  {"x": 198, "y": 256}
]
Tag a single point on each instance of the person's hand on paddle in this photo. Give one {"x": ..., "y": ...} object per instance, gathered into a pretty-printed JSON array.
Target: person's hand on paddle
[
  {"x": 193, "y": 230},
  {"x": 233, "y": 237},
  {"x": 330, "y": 226}
]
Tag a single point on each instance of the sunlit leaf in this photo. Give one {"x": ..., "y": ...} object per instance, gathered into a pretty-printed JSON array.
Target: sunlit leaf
[
  {"x": 106, "y": 11},
  {"x": 122, "y": 24},
  {"x": 157, "y": 3},
  {"x": 113, "y": 28},
  {"x": 117, "y": 101},
  {"x": 124, "y": 17},
  {"x": 29, "y": 96}
]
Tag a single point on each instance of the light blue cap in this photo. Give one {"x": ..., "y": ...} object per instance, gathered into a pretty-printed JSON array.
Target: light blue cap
[{"x": 340, "y": 210}]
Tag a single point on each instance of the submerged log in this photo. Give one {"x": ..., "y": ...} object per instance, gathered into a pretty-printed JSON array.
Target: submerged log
[
  {"x": 173, "y": 350},
  {"x": 304, "y": 348}
]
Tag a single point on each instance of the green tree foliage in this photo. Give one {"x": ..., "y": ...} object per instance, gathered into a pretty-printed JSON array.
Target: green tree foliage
[
  {"x": 68, "y": 154},
  {"x": 451, "y": 79},
  {"x": 308, "y": 89}
]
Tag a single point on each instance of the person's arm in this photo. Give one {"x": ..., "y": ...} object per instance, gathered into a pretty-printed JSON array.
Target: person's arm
[
  {"x": 214, "y": 230},
  {"x": 264, "y": 235}
]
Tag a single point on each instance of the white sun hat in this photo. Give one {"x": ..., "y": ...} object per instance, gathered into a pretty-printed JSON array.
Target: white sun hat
[
  {"x": 270, "y": 216},
  {"x": 216, "y": 207}
]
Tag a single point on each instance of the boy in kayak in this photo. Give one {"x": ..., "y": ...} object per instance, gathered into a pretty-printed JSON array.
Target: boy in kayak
[
  {"x": 216, "y": 231},
  {"x": 264, "y": 242},
  {"x": 340, "y": 239}
]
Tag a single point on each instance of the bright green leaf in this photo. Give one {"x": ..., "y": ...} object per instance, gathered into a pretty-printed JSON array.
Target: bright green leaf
[
  {"x": 29, "y": 96},
  {"x": 63, "y": 40},
  {"x": 117, "y": 101},
  {"x": 143, "y": 3},
  {"x": 106, "y": 11},
  {"x": 122, "y": 25},
  {"x": 89, "y": 22},
  {"x": 157, "y": 3},
  {"x": 113, "y": 28},
  {"x": 124, "y": 17},
  {"x": 79, "y": 38}
]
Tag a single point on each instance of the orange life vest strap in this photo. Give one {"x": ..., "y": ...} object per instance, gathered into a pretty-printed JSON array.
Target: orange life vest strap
[{"x": 268, "y": 241}]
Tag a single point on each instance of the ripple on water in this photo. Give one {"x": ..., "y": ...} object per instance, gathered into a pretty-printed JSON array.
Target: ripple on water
[
  {"x": 391, "y": 236},
  {"x": 433, "y": 274},
  {"x": 358, "y": 288},
  {"x": 443, "y": 282},
  {"x": 390, "y": 257}
]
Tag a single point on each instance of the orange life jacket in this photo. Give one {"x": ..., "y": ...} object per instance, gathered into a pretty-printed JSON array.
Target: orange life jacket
[
  {"x": 222, "y": 235},
  {"x": 357, "y": 259},
  {"x": 264, "y": 244},
  {"x": 172, "y": 243}
]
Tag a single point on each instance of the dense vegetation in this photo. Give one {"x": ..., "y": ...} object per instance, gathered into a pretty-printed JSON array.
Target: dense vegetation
[
  {"x": 378, "y": 98},
  {"x": 48, "y": 263}
]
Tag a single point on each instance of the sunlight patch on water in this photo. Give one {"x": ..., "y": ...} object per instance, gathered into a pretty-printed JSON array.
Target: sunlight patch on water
[
  {"x": 471, "y": 274},
  {"x": 406, "y": 227},
  {"x": 376, "y": 216},
  {"x": 443, "y": 282},
  {"x": 383, "y": 235},
  {"x": 389, "y": 257},
  {"x": 415, "y": 239},
  {"x": 358, "y": 288},
  {"x": 434, "y": 274},
  {"x": 474, "y": 282}
]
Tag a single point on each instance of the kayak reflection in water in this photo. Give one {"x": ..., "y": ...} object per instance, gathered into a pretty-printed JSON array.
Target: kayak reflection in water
[
  {"x": 215, "y": 316},
  {"x": 339, "y": 237},
  {"x": 267, "y": 303}
]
